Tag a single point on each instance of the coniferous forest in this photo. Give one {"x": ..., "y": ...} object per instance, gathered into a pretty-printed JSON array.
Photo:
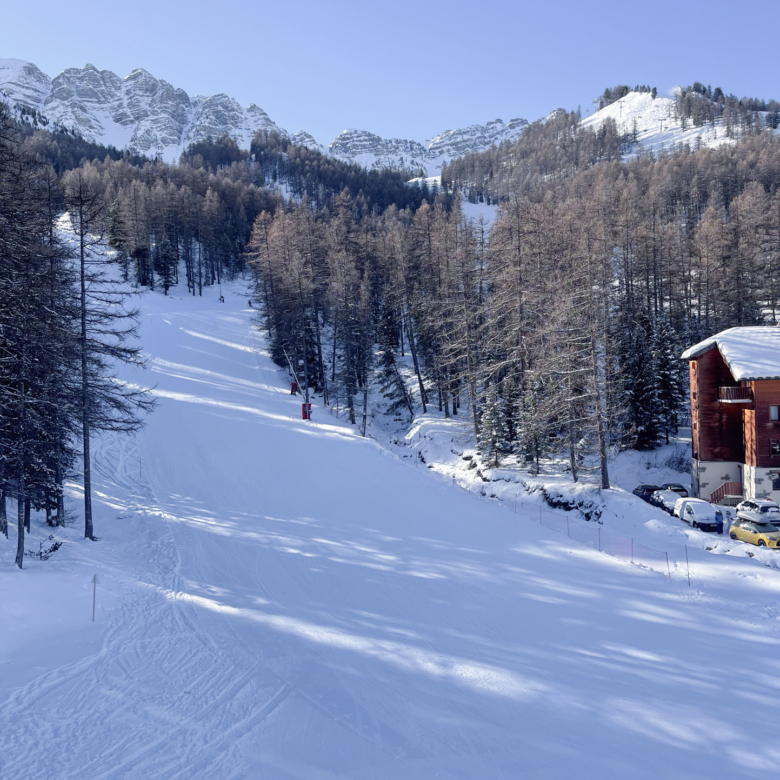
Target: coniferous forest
[
  {"x": 556, "y": 332},
  {"x": 563, "y": 325}
]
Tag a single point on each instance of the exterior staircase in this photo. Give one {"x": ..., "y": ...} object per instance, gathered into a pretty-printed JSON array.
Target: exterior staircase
[{"x": 728, "y": 494}]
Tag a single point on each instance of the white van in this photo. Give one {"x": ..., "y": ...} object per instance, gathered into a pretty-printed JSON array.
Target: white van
[{"x": 699, "y": 514}]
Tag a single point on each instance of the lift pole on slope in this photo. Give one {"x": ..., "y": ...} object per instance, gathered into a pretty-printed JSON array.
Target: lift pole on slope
[{"x": 306, "y": 404}]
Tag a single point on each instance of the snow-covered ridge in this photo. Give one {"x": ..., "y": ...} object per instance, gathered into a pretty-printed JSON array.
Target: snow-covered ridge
[
  {"x": 150, "y": 116},
  {"x": 372, "y": 151},
  {"x": 656, "y": 124}
]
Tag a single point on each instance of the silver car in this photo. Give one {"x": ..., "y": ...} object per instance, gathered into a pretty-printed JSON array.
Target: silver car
[{"x": 759, "y": 511}]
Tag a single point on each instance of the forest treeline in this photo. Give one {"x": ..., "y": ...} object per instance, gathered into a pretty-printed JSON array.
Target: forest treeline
[
  {"x": 195, "y": 217},
  {"x": 562, "y": 329}
]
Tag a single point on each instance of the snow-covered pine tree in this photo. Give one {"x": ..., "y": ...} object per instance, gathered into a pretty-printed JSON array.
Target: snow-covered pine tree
[
  {"x": 510, "y": 409},
  {"x": 165, "y": 263},
  {"x": 642, "y": 421},
  {"x": 668, "y": 371},
  {"x": 37, "y": 361},
  {"x": 493, "y": 434},
  {"x": 105, "y": 329},
  {"x": 391, "y": 381},
  {"x": 116, "y": 235}
]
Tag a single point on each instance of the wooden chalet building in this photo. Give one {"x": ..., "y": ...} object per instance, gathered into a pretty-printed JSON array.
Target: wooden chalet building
[{"x": 735, "y": 415}]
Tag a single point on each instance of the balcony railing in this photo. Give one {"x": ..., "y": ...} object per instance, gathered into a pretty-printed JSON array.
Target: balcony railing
[
  {"x": 729, "y": 493},
  {"x": 735, "y": 395}
]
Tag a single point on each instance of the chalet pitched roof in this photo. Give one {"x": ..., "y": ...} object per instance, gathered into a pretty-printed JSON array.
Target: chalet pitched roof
[{"x": 750, "y": 352}]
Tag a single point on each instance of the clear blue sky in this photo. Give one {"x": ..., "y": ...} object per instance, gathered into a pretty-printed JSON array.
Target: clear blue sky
[{"x": 409, "y": 68}]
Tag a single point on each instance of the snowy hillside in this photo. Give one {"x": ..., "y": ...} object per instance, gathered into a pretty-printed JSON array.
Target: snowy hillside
[
  {"x": 284, "y": 599},
  {"x": 655, "y": 123},
  {"x": 149, "y": 116}
]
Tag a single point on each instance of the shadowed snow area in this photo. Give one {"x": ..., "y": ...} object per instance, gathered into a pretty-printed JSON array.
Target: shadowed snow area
[{"x": 282, "y": 599}]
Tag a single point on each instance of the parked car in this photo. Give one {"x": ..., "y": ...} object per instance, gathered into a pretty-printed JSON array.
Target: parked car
[
  {"x": 664, "y": 499},
  {"x": 759, "y": 511},
  {"x": 761, "y": 534},
  {"x": 699, "y": 514},
  {"x": 677, "y": 488},
  {"x": 645, "y": 491}
]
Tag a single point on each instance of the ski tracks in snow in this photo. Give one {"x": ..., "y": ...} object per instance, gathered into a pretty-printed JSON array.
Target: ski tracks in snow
[{"x": 161, "y": 699}]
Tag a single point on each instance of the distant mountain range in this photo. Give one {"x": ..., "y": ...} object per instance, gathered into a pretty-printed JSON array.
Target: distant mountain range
[{"x": 150, "y": 116}]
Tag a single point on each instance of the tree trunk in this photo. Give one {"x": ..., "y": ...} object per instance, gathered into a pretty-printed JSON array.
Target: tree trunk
[
  {"x": 20, "y": 521},
  {"x": 599, "y": 417},
  {"x": 365, "y": 406},
  {"x": 60, "y": 516},
  {"x": 3, "y": 514},
  {"x": 200, "y": 269},
  {"x": 413, "y": 350},
  {"x": 88, "y": 528},
  {"x": 333, "y": 360},
  {"x": 572, "y": 442},
  {"x": 320, "y": 362},
  {"x": 350, "y": 390}
]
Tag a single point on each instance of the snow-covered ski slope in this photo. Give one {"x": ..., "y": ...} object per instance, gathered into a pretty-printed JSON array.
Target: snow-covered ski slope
[
  {"x": 281, "y": 599},
  {"x": 656, "y": 124}
]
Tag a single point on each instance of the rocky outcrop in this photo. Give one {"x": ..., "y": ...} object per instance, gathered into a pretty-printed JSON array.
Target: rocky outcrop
[{"x": 370, "y": 150}]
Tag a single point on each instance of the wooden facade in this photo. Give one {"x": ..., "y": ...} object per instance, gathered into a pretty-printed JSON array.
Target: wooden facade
[
  {"x": 716, "y": 427},
  {"x": 733, "y": 425},
  {"x": 759, "y": 430},
  {"x": 735, "y": 394}
]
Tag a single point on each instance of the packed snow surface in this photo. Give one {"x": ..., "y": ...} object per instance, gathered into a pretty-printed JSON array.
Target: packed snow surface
[
  {"x": 751, "y": 352},
  {"x": 284, "y": 599}
]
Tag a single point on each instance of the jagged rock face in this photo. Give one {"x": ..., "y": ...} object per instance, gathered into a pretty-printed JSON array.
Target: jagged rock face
[
  {"x": 302, "y": 138},
  {"x": 148, "y": 115},
  {"x": 25, "y": 82},
  {"x": 475, "y": 138},
  {"x": 372, "y": 151},
  {"x": 141, "y": 113}
]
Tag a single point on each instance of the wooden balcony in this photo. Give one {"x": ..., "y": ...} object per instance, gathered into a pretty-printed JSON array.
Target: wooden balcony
[{"x": 735, "y": 395}]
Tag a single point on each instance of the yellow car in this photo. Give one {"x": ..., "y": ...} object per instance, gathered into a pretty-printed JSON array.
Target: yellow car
[{"x": 761, "y": 534}]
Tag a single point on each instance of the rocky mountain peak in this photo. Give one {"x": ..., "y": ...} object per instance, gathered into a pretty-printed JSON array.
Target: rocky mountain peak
[{"x": 150, "y": 116}]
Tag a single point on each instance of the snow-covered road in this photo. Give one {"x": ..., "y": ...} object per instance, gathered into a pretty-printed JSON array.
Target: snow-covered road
[{"x": 282, "y": 599}]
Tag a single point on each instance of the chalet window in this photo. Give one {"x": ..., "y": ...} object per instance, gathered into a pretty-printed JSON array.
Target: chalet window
[
  {"x": 773, "y": 413},
  {"x": 774, "y": 447},
  {"x": 775, "y": 481}
]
